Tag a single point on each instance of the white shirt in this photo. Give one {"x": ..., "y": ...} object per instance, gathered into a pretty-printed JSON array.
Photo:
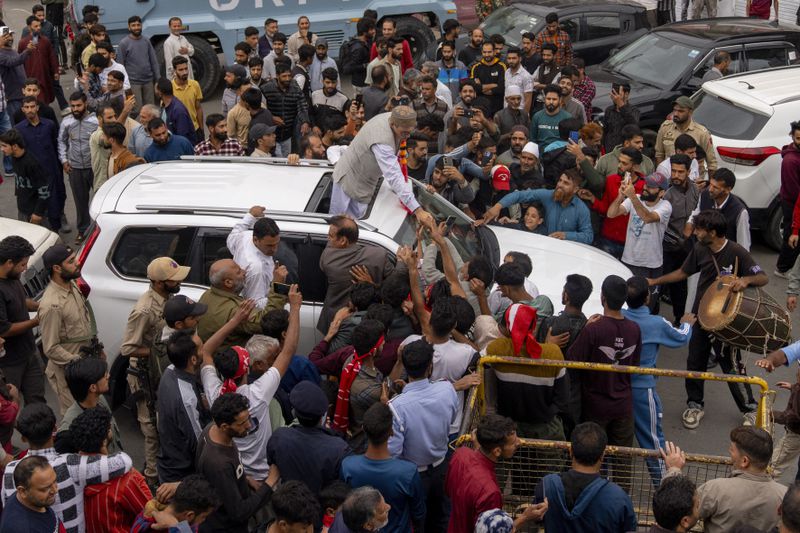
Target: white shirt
[
  {"x": 172, "y": 44},
  {"x": 742, "y": 223},
  {"x": 253, "y": 447},
  {"x": 268, "y": 66},
  {"x": 390, "y": 168},
  {"x": 522, "y": 79},
  {"x": 126, "y": 83},
  {"x": 258, "y": 266},
  {"x": 450, "y": 362},
  {"x": 665, "y": 168},
  {"x": 497, "y": 301},
  {"x": 644, "y": 242}
]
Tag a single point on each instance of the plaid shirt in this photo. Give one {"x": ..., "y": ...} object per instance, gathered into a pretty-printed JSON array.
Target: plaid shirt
[
  {"x": 584, "y": 92},
  {"x": 229, "y": 147},
  {"x": 561, "y": 40},
  {"x": 73, "y": 473}
]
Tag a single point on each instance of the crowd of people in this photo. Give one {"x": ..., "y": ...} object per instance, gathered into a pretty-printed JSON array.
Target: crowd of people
[{"x": 241, "y": 432}]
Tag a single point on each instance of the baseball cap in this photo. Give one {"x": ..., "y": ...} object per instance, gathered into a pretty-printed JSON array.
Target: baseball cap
[
  {"x": 322, "y": 41},
  {"x": 531, "y": 148},
  {"x": 259, "y": 130},
  {"x": 55, "y": 255},
  {"x": 166, "y": 269},
  {"x": 180, "y": 307},
  {"x": 237, "y": 70},
  {"x": 684, "y": 101},
  {"x": 501, "y": 178},
  {"x": 656, "y": 179}
]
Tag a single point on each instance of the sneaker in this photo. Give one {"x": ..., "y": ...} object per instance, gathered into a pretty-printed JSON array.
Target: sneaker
[
  {"x": 749, "y": 419},
  {"x": 692, "y": 417},
  {"x": 783, "y": 275}
]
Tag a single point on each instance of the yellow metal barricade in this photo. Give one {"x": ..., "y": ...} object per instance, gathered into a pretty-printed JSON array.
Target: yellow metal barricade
[{"x": 628, "y": 467}]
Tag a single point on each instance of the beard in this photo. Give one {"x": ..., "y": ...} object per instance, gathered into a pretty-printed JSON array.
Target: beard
[
  {"x": 559, "y": 195},
  {"x": 238, "y": 287},
  {"x": 69, "y": 276},
  {"x": 136, "y": 33},
  {"x": 221, "y": 136},
  {"x": 13, "y": 275},
  {"x": 550, "y": 107},
  {"x": 648, "y": 197},
  {"x": 677, "y": 120},
  {"x": 78, "y": 115},
  {"x": 173, "y": 289}
]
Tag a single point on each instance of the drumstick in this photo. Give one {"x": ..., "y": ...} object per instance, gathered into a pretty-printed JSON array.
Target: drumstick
[{"x": 727, "y": 302}]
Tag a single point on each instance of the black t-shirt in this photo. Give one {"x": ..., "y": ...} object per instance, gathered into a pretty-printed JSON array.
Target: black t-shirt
[
  {"x": 13, "y": 308},
  {"x": 702, "y": 260},
  {"x": 419, "y": 173}
]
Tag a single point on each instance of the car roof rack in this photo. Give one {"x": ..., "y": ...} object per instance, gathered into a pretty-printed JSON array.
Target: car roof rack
[
  {"x": 239, "y": 211},
  {"x": 249, "y": 159}
]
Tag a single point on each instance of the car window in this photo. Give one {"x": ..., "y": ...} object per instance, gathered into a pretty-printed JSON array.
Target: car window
[
  {"x": 137, "y": 246},
  {"x": 511, "y": 23},
  {"x": 601, "y": 26},
  {"x": 725, "y": 119},
  {"x": 210, "y": 247},
  {"x": 654, "y": 59},
  {"x": 572, "y": 27},
  {"x": 767, "y": 57},
  {"x": 736, "y": 65}
]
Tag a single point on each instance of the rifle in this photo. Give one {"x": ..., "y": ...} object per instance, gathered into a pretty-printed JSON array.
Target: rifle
[{"x": 142, "y": 373}]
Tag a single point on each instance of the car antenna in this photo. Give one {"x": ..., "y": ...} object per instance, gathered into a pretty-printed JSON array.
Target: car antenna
[{"x": 749, "y": 87}]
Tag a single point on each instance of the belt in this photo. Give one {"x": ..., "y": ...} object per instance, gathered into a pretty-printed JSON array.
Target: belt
[{"x": 431, "y": 466}]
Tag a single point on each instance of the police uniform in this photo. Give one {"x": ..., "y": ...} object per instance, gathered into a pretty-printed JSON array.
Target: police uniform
[
  {"x": 66, "y": 325},
  {"x": 669, "y": 131},
  {"x": 145, "y": 323}
]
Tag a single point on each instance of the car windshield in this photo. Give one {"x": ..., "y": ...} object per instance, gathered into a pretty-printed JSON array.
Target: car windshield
[
  {"x": 511, "y": 23},
  {"x": 463, "y": 235},
  {"x": 653, "y": 60},
  {"x": 725, "y": 119}
]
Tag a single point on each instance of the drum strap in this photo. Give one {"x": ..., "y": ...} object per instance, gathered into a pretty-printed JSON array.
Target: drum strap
[{"x": 735, "y": 266}]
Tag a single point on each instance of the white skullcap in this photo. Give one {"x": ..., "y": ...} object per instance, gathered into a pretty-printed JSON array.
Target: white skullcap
[{"x": 531, "y": 148}]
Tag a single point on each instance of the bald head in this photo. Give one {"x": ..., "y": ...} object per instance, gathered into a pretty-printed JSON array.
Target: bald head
[{"x": 226, "y": 275}]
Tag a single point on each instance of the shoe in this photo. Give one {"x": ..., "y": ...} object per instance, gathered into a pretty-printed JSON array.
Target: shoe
[
  {"x": 712, "y": 364},
  {"x": 749, "y": 419},
  {"x": 782, "y": 275},
  {"x": 65, "y": 227},
  {"x": 692, "y": 417}
]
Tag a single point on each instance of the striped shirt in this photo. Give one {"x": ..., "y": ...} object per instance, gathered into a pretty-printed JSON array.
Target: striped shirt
[
  {"x": 73, "y": 473},
  {"x": 112, "y": 507}
]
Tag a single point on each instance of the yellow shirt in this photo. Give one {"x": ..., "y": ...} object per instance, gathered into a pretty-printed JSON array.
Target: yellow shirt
[
  {"x": 87, "y": 53},
  {"x": 190, "y": 96}
]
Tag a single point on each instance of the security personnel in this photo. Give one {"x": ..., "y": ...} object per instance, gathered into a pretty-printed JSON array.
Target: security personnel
[
  {"x": 307, "y": 452},
  {"x": 66, "y": 321},
  {"x": 682, "y": 110},
  {"x": 144, "y": 327}
]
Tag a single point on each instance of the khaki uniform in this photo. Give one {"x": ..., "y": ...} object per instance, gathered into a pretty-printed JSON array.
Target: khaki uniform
[
  {"x": 65, "y": 325},
  {"x": 143, "y": 328},
  {"x": 669, "y": 131},
  {"x": 222, "y": 305}
]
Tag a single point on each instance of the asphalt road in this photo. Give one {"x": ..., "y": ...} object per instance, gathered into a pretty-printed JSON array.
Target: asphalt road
[{"x": 721, "y": 413}]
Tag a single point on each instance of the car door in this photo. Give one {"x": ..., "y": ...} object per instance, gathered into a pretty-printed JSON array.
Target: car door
[
  {"x": 768, "y": 55},
  {"x": 601, "y": 33}
]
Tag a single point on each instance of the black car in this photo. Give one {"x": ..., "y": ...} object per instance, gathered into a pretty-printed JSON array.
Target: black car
[
  {"x": 670, "y": 61},
  {"x": 595, "y": 28}
]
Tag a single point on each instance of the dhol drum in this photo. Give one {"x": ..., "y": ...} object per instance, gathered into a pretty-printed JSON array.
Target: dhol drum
[{"x": 750, "y": 319}]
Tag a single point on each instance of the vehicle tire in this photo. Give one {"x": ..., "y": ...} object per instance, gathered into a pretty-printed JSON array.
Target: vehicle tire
[
  {"x": 773, "y": 231},
  {"x": 205, "y": 64},
  {"x": 419, "y": 37}
]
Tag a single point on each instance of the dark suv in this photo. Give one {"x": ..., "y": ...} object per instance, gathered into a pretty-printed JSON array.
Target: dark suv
[
  {"x": 595, "y": 27},
  {"x": 670, "y": 61}
]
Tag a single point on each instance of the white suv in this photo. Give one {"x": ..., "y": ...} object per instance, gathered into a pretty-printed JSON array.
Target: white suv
[
  {"x": 748, "y": 116},
  {"x": 35, "y": 278},
  {"x": 185, "y": 210}
]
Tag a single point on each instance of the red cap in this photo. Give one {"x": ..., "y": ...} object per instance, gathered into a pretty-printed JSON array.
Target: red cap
[{"x": 501, "y": 178}]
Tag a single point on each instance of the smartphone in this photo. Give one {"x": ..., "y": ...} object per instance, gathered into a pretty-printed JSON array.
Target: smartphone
[
  {"x": 447, "y": 161},
  {"x": 35, "y": 39},
  {"x": 281, "y": 288},
  {"x": 469, "y": 113},
  {"x": 487, "y": 158},
  {"x": 4, "y": 30},
  {"x": 404, "y": 100},
  {"x": 574, "y": 136},
  {"x": 448, "y": 224},
  {"x": 128, "y": 92}
]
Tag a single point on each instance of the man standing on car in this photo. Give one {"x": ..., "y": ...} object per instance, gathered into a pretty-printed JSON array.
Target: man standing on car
[
  {"x": 682, "y": 109},
  {"x": 20, "y": 362},
  {"x": 66, "y": 321},
  {"x": 372, "y": 154},
  {"x": 144, "y": 327}
]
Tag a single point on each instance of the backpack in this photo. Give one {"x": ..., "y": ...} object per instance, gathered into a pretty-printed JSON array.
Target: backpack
[{"x": 346, "y": 59}]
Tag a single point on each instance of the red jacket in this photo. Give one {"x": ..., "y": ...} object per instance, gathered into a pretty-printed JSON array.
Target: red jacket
[
  {"x": 615, "y": 229},
  {"x": 790, "y": 173},
  {"x": 112, "y": 507},
  {"x": 472, "y": 487},
  {"x": 406, "y": 62}
]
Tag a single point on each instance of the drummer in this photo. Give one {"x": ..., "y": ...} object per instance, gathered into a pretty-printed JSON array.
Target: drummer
[{"x": 712, "y": 256}]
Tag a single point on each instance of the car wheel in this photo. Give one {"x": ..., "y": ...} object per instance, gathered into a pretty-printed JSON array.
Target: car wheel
[
  {"x": 419, "y": 37},
  {"x": 205, "y": 64},
  {"x": 773, "y": 231}
]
